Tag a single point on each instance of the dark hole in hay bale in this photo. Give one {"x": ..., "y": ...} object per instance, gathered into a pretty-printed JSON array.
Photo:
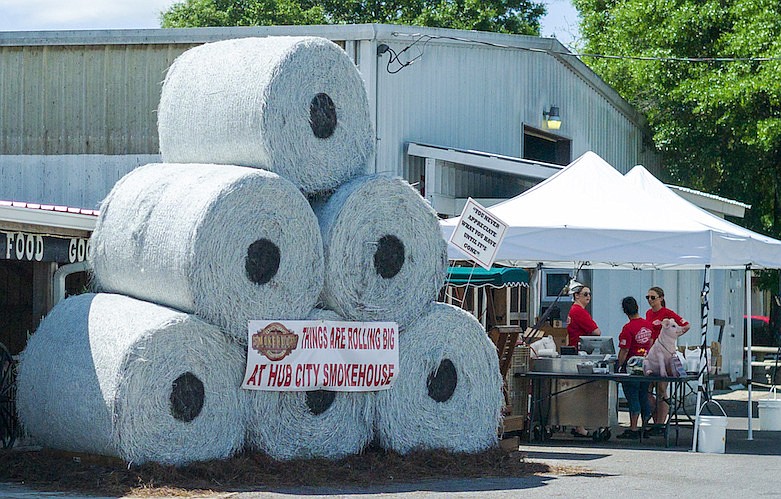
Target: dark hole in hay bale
[
  {"x": 322, "y": 116},
  {"x": 319, "y": 401},
  {"x": 262, "y": 261},
  {"x": 442, "y": 384},
  {"x": 186, "y": 397},
  {"x": 389, "y": 257}
]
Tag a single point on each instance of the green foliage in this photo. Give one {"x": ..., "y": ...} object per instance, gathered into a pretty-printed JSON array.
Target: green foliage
[
  {"x": 506, "y": 16},
  {"x": 717, "y": 124},
  {"x": 195, "y": 13}
]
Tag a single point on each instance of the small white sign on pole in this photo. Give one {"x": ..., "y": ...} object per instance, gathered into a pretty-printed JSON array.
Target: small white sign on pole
[{"x": 478, "y": 234}]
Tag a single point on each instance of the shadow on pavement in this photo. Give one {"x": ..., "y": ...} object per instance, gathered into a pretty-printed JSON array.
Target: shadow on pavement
[
  {"x": 564, "y": 455},
  {"x": 473, "y": 485}
]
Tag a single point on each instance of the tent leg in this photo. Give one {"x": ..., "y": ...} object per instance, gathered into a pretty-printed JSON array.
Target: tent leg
[
  {"x": 749, "y": 371},
  {"x": 703, "y": 357}
]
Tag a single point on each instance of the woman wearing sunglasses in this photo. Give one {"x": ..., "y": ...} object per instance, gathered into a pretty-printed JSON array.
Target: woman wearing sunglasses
[
  {"x": 580, "y": 323},
  {"x": 655, "y": 315}
]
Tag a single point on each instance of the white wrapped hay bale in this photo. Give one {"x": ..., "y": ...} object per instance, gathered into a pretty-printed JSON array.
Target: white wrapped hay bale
[
  {"x": 313, "y": 424},
  {"x": 226, "y": 243},
  {"x": 448, "y": 394},
  {"x": 385, "y": 258},
  {"x": 293, "y": 105},
  {"x": 111, "y": 375}
]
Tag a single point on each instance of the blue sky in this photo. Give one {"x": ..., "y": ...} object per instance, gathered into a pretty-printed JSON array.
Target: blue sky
[{"x": 32, "y": 15}]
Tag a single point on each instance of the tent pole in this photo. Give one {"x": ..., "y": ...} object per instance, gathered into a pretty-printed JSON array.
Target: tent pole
[
  {"x": 538, "y": 298},
  {"x": 749, "y": 370},
  {"x": 703, "y": 345}
]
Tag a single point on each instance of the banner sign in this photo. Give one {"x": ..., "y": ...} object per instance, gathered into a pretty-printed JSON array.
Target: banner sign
[
  {"x": 321, "y": 355},
  {"x": 478, "y": 234},
  {"x": 23, "y": 246}
]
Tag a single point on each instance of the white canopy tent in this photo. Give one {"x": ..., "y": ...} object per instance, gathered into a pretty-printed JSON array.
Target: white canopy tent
[
  {"x": 737, "y": 246},
  {"x": 590, "y": 214},
  {"x": 747, "y": 246}
]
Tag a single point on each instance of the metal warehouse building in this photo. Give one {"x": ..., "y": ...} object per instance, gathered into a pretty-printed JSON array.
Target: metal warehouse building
[
  {"x": 78, "y": 108},
  {"x": 458, "y": 114}
]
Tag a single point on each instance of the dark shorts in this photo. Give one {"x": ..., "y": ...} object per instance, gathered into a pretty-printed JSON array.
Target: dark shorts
[{"x": 636, "y": 393}]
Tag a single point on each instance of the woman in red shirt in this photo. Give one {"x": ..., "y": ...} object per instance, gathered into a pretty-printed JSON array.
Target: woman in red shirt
[
  {"x": 655, "y": 315},
  {"x": 580, "y": 323}
]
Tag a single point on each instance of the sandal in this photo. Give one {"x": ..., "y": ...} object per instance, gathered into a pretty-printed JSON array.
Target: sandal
[{"x": 579, "y": 435}]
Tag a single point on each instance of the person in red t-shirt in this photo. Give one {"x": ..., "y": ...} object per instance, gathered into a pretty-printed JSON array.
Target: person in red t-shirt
[
  {"x": 655, "y": 315},
  {"x": 580, "y": 323},
  {"x": 634, "y": 341},
  {"x": 659, "y": 311}
]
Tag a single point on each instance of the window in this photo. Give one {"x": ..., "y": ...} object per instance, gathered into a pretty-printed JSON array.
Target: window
[
  {"x": 539, "y": 145},
  {"x": 554, "y": 283}
]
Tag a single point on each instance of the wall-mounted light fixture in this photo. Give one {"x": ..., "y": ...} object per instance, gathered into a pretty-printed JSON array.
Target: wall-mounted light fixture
[{"x": 552, "y": 118}]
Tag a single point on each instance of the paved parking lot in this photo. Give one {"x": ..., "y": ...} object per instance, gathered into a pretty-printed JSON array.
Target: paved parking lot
[{"x": 588, "y": 469}]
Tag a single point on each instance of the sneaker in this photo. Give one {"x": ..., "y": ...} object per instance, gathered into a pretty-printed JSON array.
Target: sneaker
[
  {"x": 629, "y": 435},
  {"x": 655, "y": 431}
]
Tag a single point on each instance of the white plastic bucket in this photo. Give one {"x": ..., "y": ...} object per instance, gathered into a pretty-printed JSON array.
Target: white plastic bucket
[
  {"x": 712, "y": 436},
  {"x": 770, "y": 412},
  {"x": 712, "y": 432}
]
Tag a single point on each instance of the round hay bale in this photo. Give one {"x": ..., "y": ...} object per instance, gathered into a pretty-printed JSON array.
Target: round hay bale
[
  {"x": 293, "y": 105},
  {"x": 385, "y": 257},
  {"x": 448, "y": 394},
  {"x": 111, "y": 375},
  {"x": 226, "y": 243},
  {"x": 313, "y": 424}
]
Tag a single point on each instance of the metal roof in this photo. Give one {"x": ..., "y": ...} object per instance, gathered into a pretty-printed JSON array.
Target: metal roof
[
  {"x": 487, "y": 161},
  {"x": 48, "y": 215},
  {"x": 377, "y": 32},
  {"x": 712, "y": 202}
]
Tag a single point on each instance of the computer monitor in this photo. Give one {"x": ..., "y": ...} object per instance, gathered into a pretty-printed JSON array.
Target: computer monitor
[{"x": 597, "y": 345}]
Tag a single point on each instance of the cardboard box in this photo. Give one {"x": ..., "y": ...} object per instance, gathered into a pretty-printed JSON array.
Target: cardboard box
[
  {"x": 559, "y": 335},
  {"x": 715, "y": 355}
]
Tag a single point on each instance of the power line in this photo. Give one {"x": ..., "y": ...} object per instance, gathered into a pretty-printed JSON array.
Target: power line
[
  {"x": 427, "y": 38},
  {"x": 674, "y": 59}
]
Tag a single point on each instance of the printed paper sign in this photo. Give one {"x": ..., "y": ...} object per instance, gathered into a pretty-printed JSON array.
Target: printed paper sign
[
  {"x": 478, "y": 234},
  {"x": 321, "y": 355}
]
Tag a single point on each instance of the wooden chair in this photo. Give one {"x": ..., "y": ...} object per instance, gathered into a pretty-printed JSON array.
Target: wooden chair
[{"x": 505, "y": 338}]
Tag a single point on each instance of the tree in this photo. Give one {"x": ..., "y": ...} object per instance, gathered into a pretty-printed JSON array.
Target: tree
[
  {"x": 716, "y": 123},
  {"x": 505, "y": 16},
  {"x": 194, "y": 13}
]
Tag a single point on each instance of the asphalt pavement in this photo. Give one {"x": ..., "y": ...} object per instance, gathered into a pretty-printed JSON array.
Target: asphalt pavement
[{"x": 588, "y": 469}]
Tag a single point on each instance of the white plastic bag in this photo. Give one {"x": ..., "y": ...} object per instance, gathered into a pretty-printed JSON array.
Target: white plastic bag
[
  {"x": 546, "y": 347},
  {"x": 692, "y": 359}
]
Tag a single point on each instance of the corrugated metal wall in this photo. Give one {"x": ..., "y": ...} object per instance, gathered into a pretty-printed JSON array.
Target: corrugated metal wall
[
  {"x": 478, "y": 97},
  {"x": 79, "y": 180},
  {"x": 98, "y": 99},
  {"x": 61, "y": 95}
]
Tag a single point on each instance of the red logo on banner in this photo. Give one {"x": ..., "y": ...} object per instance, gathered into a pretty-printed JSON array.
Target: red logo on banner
[{"x": 274, "y": 341}]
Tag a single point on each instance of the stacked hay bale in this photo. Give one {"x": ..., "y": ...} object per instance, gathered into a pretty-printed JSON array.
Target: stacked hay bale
[
  {"x": 449, "y": 395},
  {"x": 311, "y": 424},
  {"x": 186, "y": 252},
  {"x": 111, "y": 375},
  {"x": 385, "y": 258},
  {"x": 226, "y": 243},
  {"x": 292, "y": 105}
]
